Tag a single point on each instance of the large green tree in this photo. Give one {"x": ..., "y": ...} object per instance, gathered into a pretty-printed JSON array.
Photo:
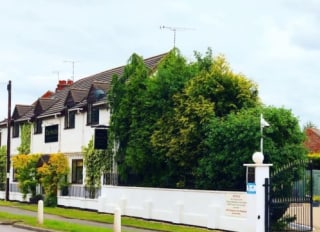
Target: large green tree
[
  {"x": 138, "y": 99},
  {"x": 168, "y": 124},
  {"x": 233, "y": 140},
  {"x": 214, "y": 91}
]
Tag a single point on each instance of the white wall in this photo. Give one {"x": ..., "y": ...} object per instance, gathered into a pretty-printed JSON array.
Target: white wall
[
  {"x": 73, "y": 139},
  {"x": 15, "y": 196},
  {"x": 4, "y": 135},
  {"x": 211, "y": 209},
  {"x": 15, "y": 143},
  {"x": 69, "y": 140}
]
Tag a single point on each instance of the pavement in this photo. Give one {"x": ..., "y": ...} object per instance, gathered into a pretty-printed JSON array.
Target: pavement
[
  {"x": 11, "y": 228},
  {"x": 316, "y": 218},
  {"x": 18, "y": 224}
]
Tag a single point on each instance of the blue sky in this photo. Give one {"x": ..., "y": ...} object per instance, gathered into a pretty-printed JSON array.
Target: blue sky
[{"x": 275, "y": 43}]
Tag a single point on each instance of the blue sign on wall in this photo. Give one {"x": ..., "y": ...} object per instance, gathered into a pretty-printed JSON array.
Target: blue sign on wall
[{"x": 251, "y": 188}]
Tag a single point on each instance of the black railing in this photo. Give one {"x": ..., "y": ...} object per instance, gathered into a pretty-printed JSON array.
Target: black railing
[
  {"x": 289, "y": 198},
  {"x": 81, "y": 191}
]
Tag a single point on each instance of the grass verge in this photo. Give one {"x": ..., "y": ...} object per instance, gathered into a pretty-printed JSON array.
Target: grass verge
[
  {"x": 51, "y": 224},
  {"x": 97, "y": 217}
]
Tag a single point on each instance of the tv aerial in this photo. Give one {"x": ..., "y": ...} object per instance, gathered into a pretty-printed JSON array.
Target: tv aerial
[{"x": 175, "y": 29}]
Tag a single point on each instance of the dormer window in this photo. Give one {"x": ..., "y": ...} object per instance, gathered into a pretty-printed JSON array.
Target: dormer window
[
  {"x": 38, "y": 126},
  {"x": 92, "y": 115},
  {"x": 99, "y": 94},
  {"x": 69, "y": 119},
  {"x": 16, "y": 128}
]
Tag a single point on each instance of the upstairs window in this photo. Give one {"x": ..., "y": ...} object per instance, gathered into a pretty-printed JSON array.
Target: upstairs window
[
  {"x": 92, "y": 115},
  {"x": 16, "y": 128},
  {"x": 51, "y": 134},
  {"x": 101, "y": 138},
  {"x": 69, "y": 119},
  {"x": 38, "y": 126}
]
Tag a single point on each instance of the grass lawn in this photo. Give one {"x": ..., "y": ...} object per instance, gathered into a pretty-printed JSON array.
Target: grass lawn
[
  {"x": 91, "y": 216},
  {"x": 50, "y": 224}
]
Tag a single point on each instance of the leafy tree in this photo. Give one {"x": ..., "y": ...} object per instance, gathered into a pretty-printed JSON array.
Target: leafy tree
[
  {"x": 96, "y": 162},
  {"x": 126, "y": 99},
  {"x": 24, "y": 147},
  {"x": 232, "y": 141},
  {"x": 215, "y": 91},
  {"x": 26, "y": 170},
  {"x": 3, "y": 166},
  {"x": 309, "y": 125},
  {"x": 52, "y": 175},
  {"x": 138, "y": 99}
]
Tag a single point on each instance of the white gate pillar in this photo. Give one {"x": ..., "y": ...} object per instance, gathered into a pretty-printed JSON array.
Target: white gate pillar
[{"x": 255, "y": 180}]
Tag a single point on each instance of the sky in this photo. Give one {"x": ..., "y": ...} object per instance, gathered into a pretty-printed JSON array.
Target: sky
[{"x": 275, "y": 43}]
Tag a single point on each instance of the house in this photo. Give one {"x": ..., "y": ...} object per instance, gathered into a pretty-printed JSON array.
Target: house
[
  {"x": 313, "y": 140},
  {"x": 66, "y": 120}
]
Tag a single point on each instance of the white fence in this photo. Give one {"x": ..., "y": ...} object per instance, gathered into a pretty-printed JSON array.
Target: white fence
[
  {"x": 211, "y": 209},
  {"x": 233, "y": 211}
]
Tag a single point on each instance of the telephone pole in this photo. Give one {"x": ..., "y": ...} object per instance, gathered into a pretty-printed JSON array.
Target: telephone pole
[{"x": 8, "y": 140}]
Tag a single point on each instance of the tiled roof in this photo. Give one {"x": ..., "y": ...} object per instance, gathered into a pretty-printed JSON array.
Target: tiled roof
[
  {"x": 101, "y": 85},
  {"x": 3, "y": 123},
  {"x": 43, "y": 104},
  {"x": 78, "y": 94},
  {"x": 28, "y": 115},
  {"x": 79, "y": 90},
  {"x": 75, "y": 96},
  {"x": 313, "y": 140},
  {"x": 20, "y": 111},
  {"x": 316, "y": 131}
]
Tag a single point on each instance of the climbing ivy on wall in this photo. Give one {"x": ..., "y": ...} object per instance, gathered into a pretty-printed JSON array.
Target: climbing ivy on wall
[
  {"x": 24, "y": 147},
  {"x": 96, "y": 163}
]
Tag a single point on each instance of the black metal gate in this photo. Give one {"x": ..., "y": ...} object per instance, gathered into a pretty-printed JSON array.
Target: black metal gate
[{"x": 289, "y": 198}]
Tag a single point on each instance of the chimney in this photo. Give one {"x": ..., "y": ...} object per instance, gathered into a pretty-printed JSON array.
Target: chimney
[{"x": 63, "y": 83}]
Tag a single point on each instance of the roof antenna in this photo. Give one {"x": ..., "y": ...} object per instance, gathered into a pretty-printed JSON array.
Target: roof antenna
[
  {"x": 58, "y": 74},
  {"x": 175, "y": 29},
  {"x": 71, "y": 61}
]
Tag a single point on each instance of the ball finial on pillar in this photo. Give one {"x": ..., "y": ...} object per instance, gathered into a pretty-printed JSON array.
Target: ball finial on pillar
[{"x": 257, "y": 157}]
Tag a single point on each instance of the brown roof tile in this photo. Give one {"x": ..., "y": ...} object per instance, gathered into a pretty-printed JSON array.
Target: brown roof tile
[
  {"x": 20, "y": 111},
  {"x": 102, "y": 80}
]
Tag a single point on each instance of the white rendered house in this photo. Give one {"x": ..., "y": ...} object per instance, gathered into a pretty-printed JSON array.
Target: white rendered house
[{"x": 66, "y": 120}]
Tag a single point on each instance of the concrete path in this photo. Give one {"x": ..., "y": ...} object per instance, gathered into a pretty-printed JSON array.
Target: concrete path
[
  {"x": 316, "y": 218},
  {"x": 10, "y": 228},
  {"x": 13, "y": 210}
]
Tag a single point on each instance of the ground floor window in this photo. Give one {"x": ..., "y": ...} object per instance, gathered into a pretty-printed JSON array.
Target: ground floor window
[{"x": 77, "y": 171}]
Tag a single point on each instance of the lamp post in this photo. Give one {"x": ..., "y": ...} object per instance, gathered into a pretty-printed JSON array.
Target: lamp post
[{"x": 8, "y": 140}]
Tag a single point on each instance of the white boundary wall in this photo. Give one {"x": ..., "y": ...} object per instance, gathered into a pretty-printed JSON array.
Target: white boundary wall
[
  {"x": 15, "y": 196},
  {"x": 211, "y": 209}
]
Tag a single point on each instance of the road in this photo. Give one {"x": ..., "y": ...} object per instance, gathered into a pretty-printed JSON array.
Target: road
[{"x": 9, "y": 228}]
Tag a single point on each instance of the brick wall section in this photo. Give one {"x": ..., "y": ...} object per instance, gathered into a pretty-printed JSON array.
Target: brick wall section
[{"x": 313, "y": 140}]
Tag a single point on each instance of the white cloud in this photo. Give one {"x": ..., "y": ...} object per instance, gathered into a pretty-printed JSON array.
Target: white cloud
[{"x": 275, "y": 43}]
